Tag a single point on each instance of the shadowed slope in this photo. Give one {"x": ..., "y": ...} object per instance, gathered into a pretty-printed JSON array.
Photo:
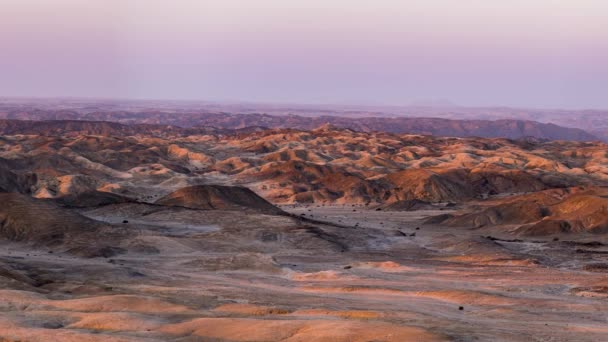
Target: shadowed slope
[
  {"x": 208, "y": 197},
  {"x": 44, "y": 223},
  {"x": 13, "y": 182}
]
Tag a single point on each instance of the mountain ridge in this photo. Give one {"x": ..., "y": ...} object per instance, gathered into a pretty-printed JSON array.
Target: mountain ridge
[{"x": 216, "y": 123}]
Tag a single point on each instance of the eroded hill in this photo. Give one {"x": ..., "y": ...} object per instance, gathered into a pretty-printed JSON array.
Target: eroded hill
[{"x": 326, "y": 165}]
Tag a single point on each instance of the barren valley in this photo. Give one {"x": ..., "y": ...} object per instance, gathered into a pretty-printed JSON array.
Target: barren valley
[{"x": 138, "y": 232}]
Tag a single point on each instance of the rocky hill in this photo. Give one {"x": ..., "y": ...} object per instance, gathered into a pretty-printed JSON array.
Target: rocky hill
[
  {"x": 209, "y": 197},
  {"x": 543, "y": 213},
  {"x": 326, "y": 165}
]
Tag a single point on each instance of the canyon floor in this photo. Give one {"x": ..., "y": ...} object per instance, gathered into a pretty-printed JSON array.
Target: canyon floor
[{"x": 363, "y": 275}]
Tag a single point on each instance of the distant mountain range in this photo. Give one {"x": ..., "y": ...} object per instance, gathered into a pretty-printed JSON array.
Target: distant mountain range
[
  {"x": 192, "y": 113},
  {"x": 130, "y": 123}
]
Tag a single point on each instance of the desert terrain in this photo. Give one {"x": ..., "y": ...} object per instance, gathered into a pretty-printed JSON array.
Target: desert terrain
[{"x": 148, "y": 232}]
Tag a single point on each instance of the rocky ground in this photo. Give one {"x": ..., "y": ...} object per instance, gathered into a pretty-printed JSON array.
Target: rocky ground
[
  {"x": 194, "y": 275},
  {"x": 331, "y": 235}
]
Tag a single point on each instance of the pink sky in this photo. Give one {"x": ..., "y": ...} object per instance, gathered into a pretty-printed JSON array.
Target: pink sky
[{"x": 537, "y": 53}]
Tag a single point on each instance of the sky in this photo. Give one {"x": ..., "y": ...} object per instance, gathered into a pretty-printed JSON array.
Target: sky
[{"x": 522, "y": 53}]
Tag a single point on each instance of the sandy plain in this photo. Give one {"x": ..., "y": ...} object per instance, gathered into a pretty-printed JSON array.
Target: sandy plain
[{"x": 365, "y": 275}]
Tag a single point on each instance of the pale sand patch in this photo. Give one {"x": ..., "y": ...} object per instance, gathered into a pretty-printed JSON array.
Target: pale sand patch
[
  {"x": 320, "y": 276},
  {"x": 355, "y": 289},
  {"x": 113, "y": 321},
  {"x": 259, "y": 310},
  {"x": 591, "y": 291},
  {"x": 453, "y": 296},
  {"x": 12, "y": 332},
  {"x": 588, "y": 328},
  {"x": 386, "y": 266},
  {"x": 122, "y": 303},
  {"x": 465, "y": 297},
  {"x": 241, "y": 329},
  {"x": 489, "y": 260},
  {"x": 347, "y": 314},
  {"x": 250, "y": 309}
]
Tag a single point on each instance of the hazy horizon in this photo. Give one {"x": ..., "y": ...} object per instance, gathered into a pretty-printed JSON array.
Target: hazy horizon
[
  {"x": 522, "y": 54},
  {"x": 288, "y": 104}
]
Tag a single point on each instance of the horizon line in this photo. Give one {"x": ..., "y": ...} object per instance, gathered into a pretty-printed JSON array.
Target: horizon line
[{"x": 360, "y": 106}]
